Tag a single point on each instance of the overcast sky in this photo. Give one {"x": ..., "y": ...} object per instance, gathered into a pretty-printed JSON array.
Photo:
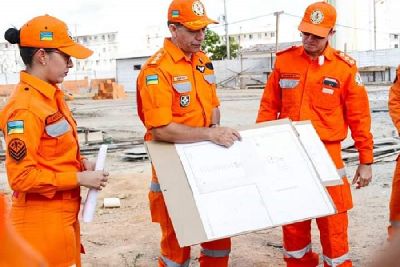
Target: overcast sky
[{"x": 136, "y": 21}]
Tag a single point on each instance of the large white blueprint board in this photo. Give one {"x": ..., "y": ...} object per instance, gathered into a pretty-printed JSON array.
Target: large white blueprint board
[
  {"x": 244, "y": 188},
  {"x": 324, "y": 164}
]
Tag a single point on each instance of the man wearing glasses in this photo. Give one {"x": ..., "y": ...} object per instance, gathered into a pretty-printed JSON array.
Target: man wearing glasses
[
  {"x": 177, "y": 102},
  {"x": 318, "y": 83}
]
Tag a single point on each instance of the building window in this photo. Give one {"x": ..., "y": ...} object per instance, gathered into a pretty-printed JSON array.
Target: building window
[
  {"x": 137, "y": 67},
  {"x": 396, "y": 36},
  {"x": 250, "y": 36},
  {"x": 272, "y": 34},
  {"x": 396, "y": 46}
]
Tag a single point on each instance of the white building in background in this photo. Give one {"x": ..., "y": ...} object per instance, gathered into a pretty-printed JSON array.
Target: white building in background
[
  {"x": 360, "y": 24},
  {"x": 394, "y": 40},
  {"x": 249, "y": 39},
  {"x": 101, "y": 64},
  {"x": 105, "y": 50}
]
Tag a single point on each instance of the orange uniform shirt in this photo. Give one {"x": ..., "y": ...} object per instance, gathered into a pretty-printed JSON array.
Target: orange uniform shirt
[
  {"x": 394, "y": 101},
  {"x": 42, "y": 146},
  {"x": 330, "y": 94},
  {"x": 174, "y": 88}
]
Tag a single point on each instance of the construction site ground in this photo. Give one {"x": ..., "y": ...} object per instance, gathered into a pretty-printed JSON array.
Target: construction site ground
[{"x": 125, "y": 236}]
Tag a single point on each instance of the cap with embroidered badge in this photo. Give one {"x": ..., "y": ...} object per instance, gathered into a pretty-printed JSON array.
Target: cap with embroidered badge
[
  {"x": 49, "y": 32},
  {"x": 319, "y": 18},
  {"x": 189, "y": 13}
]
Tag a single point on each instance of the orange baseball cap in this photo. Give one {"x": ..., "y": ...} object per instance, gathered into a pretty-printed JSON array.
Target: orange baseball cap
[
  {"x": 319, "y": 18},
  {"x": 49, "y": 32},
  {"x": 189, "y": 13}
]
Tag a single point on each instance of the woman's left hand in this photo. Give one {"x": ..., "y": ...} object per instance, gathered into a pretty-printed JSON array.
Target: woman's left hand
[{"x": 88, "y": 165}]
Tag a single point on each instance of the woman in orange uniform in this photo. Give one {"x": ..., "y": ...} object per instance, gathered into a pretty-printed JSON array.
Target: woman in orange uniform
[{"x": 44, "y": 166}]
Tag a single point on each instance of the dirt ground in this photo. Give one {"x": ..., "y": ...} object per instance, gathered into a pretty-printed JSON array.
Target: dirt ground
[{"x": 126, "y": 236}]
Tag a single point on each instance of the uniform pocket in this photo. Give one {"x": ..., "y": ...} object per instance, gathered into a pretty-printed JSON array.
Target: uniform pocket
[
  {"x": 182, "y": 87},
  {"x": 326, "y": 98}
]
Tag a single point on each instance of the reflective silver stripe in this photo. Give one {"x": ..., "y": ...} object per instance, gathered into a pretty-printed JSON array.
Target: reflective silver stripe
[
  {"x": 210, "y": 78},
  {"x": 155, "y": 187},
  {"x": 395, "y": 223},
  {"x": 336, "y": 261},
  {"x": 213, "y": 253},
  {"x": 297, "y": 254},
  {"x": 58, "y": 128},
  {"x": 170, "y": 263},
  {"x": 182, "y": 87},
  {"x": 342, "y": 172}
]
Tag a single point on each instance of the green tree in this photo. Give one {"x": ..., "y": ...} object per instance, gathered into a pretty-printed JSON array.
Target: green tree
[{"x": 216, "y": 50}]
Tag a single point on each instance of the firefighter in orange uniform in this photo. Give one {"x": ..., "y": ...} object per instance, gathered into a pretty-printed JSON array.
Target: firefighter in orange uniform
[
  {"x": 177, "y": 102},
  {"x": 394, "y": 111},
  {"x": 43, "y": 162},
  {"x": 318, "y": 83},
  {"x": 12, "y": 244}
]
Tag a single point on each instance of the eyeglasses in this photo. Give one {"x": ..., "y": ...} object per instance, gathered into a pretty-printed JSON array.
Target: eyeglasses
[
  {"x": 66, "y": 57},
  {"x": 307, "y": 34}
]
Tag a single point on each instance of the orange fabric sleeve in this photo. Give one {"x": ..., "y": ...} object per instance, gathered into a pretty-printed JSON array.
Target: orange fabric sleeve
[
  {"x": 156, "y": 99},
  {"x": 270, "y": 105},
  {"x": 394, "y": 104},
  {"x": 358, "y": 117},
  {"x": 24, "y": 174},
  {"x": 215, "y": 101}
]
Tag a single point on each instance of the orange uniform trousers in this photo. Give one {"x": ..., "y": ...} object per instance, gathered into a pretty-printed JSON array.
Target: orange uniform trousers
[
  {"x": 14, "y": 251},
  {"x": 394, "y": 205},
  {"x": 333, "y": 229},
  {"x": 50, "y": 226},
  {"x": 213, "y": 254}
]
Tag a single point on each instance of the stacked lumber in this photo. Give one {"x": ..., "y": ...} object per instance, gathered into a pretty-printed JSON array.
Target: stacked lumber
[{"x": 110, "y": 90}]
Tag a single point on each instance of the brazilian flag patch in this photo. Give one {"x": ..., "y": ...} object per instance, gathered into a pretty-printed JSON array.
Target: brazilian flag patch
[
  {"x": 175, "y": 13},
  {"x": 15, "y": 127},
  {"x": 46, "y": 36},
  {"x": 152, "y": 79}
]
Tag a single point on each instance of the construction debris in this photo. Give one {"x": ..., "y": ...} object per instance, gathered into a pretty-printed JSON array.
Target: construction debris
[
  {"x": 90, "y": 136},
  {"x": 110, "y": 90},
  {"x": 111, "y": 202},
  {"x": 135, "y": 154},
  {"x": 383, "y": 148}
]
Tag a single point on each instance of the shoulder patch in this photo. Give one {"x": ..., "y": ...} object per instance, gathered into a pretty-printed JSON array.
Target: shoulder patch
[
  {"x": 152, "y": 79},
  {"x": 287, "y": 49},
  {"x": 346, "y": 58},
  {"x": 17, "y": 149},
  {"x": 15, "y": 127},
  {"x": 156, "y": 58},
  {"x": 358, "y": 79}
]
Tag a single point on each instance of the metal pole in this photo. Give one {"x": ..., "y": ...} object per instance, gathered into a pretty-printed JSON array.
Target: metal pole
[
  {"x": 374, "y": 8},
  {"x": 277, "y": 14},
  {"x": 228, "y": 49}
]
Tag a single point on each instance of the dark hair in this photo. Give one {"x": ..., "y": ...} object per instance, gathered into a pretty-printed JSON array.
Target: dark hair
[
  {"x": 175, "y": 23},
  {"x": 12, "y": 35}
]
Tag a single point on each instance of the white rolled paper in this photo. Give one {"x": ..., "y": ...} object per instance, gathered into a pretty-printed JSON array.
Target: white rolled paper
[{"x": 89, "y": 208}]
